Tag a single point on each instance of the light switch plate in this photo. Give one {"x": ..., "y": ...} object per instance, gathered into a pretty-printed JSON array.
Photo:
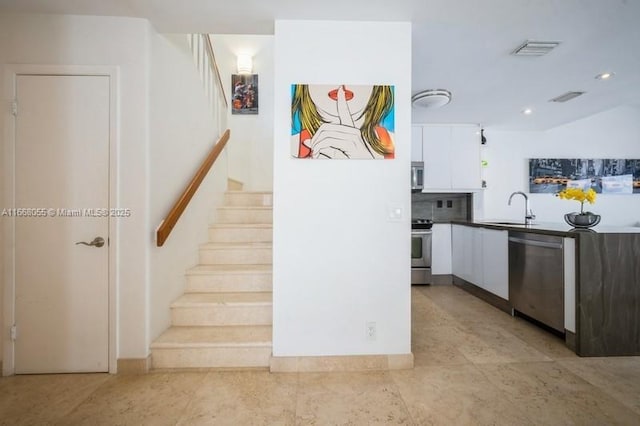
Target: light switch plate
[{"x": 395, "y": 213}]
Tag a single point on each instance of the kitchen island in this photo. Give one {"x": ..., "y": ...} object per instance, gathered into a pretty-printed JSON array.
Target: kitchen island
[{"x": 602, "y": 287}]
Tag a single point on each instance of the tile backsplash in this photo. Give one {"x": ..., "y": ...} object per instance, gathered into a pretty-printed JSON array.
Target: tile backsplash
[{"x": 441, "y": 207}]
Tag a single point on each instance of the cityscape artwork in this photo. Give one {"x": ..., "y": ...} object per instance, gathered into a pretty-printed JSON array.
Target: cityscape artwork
[{"x": 605, "y": 176}]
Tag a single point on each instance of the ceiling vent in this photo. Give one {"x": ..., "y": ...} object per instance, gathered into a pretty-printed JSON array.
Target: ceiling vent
[
  {"x": 566, "y": 96},
  {"x": 535, "y": 48}
]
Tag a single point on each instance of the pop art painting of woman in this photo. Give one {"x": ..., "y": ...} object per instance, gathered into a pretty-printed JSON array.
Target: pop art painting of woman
[{"x": 342, "y": 121}]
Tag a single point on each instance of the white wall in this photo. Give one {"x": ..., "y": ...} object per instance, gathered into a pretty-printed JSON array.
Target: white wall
[
  {"x": 3, "y": 38},
  {"x": 121, "y": 42},
  {"x": 251, "y": 144},
  {"x": 338, "y": 262},
  {"x": 182, "y": 132},
  {"x": 611, "y": 134},
  {"x": 4, "y": 34}
]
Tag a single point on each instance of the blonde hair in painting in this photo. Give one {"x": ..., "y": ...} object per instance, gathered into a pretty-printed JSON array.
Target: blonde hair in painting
[{"x": 379, "y": 104}]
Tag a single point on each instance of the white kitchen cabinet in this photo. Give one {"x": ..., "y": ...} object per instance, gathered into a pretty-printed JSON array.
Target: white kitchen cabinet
[
  {"x": 451, "y": 156},
  {"x": 466, "y": 251},
  {"x": 481, "y": 257},
  {"x": 465, "y": 157},
  {"x": 495, "y": 262},
  {"x": 457, "y": 242},
  {"x": 441, "y": 249},
  {"x": 416, "y": 143},
  {"x": 461, "y": 251},
  {"x": 436, "y": 152},
  {"x": 476, "y": 257}
]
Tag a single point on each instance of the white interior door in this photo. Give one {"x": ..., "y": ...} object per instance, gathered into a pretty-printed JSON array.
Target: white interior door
[{"x": 61, "y": 167}]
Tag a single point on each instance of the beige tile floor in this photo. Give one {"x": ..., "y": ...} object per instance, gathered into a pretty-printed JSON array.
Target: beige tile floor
[{"x": 474, "y": 365}]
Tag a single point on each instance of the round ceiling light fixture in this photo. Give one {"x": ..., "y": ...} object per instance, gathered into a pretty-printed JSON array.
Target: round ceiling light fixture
[
  {"x": 605, "y": 75},
  {"x": 431, "y": 99}
]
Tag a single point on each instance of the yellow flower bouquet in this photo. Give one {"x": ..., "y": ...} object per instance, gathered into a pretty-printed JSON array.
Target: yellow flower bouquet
[
  {"x": 579, "y": 195},
  {"x": 582, "y": 219}
]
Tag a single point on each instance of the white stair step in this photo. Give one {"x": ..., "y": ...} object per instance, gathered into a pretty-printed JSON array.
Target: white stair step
[
  {"x": 197, "y": 299},
  {"x": 215, "y": 357},
  {"x": 234, "y": 185},
  {"x": 243, "y": 232},
  {"x": 212, "y": 336},
  {"x": 248, "y": 198},
  {"x": 244, "y": 214},
  {"x": 202, "y": 347},
  {"x": 196, "y": 309},
  {"x": 236, "y": 254},
  {"x": 229, "y": 278}
]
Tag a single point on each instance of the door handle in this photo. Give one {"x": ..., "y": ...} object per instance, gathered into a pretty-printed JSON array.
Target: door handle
[{"x": 97, "y": 242}]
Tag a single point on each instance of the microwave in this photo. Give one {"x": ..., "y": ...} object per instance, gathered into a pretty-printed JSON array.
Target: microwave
[{"x": 417, "y": 176}]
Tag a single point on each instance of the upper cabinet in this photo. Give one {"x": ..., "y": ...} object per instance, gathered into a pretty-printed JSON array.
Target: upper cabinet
[
  {"x": 436, "y": 153},
  {"x": 451, "y": 156},
  {"x": 465, "y": 157},
  {"x": 416, "y": 143}
]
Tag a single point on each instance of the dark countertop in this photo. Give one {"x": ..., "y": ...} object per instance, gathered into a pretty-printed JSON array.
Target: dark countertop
[{"x": 558, "y": 229}]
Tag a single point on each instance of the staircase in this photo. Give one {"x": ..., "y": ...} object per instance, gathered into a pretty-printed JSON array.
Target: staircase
[{"x": 224, "y": 318}]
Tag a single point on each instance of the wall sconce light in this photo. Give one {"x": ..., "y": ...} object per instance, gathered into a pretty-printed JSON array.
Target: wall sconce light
[{"x": 245, "y": 64}]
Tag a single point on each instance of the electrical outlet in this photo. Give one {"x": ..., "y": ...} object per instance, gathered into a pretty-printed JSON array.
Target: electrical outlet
[{"x": 371, "y": 330}]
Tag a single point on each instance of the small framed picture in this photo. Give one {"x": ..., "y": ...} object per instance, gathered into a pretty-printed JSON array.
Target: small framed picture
[{"x": 244, "y": 89}]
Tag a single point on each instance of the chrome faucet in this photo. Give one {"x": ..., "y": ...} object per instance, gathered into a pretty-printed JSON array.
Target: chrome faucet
[{"x": 528, "y": 214}]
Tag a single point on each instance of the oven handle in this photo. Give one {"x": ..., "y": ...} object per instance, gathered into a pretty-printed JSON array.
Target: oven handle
[{"x": 421, "y": 232}]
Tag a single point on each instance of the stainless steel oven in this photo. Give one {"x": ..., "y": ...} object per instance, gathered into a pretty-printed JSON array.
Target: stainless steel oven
[{"x": 420, "y": 256}]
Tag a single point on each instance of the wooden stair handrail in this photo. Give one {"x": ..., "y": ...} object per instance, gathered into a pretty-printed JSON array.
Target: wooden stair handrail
[{"x": 166, "y": 226}]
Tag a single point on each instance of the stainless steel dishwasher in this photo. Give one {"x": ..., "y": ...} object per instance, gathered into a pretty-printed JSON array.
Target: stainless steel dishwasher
[{"x": 536, "y": 277}]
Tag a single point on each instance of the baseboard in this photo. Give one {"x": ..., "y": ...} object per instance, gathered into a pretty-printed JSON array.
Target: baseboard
[
  {"x": 307, "y": 364},
  {"x": 442, "y": 279},
  {"x": 134, "y": 365},
  {"x": 570, "y": 339},
  {"x": 483, "y": 294}
]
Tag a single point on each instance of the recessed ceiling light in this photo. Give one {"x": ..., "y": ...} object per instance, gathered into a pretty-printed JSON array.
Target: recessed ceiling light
[
  {"x": 605, "y": 76},
  {"x": 527, "y": 111}
]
